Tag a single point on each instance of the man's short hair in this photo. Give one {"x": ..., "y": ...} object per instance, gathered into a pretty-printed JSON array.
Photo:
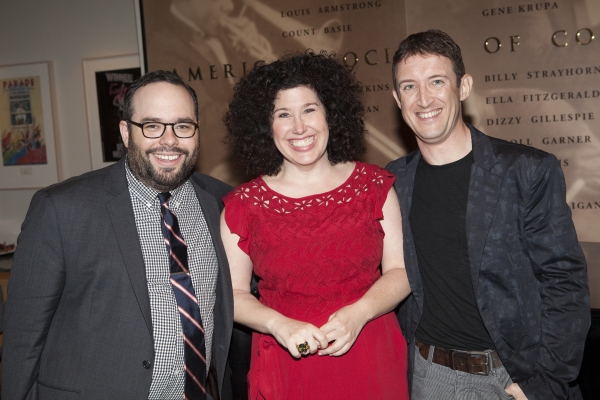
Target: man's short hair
[
  {"x": 431, "y": 42},
  {"x": 155, "y": 77}
]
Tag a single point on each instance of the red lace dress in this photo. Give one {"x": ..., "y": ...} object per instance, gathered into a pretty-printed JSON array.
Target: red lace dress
[{"x": 314, "y": 255}]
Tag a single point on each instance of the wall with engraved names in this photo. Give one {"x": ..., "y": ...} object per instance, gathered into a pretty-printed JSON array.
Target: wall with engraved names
[
  {"x": 535, "y": 67},
  {"x": 211, "y": 47},
  {"x": 536, "y": 75}
]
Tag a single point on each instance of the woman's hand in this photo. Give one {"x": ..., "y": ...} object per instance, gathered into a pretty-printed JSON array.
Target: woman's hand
[
  {"x": 249, "y": 311},
  {"x": 343, "y": 328},
  {"x": 290, "y": 333}
]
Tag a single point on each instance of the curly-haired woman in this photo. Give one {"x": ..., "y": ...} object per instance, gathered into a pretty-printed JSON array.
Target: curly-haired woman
[{"x": 321, "y": 231}]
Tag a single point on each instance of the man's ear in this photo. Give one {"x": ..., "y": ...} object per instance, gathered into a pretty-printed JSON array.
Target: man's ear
[
  {"x": 395, "y": 93},
  {"x": 466, "y": 84},
  {"x": 124, "y": 132}
]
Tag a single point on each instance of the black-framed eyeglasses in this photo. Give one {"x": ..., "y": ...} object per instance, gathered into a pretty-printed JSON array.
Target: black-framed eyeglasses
[{"x": 154, "y": 130}]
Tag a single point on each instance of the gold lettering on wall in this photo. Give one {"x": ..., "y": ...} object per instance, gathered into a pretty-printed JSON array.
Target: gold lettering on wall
[
  {"x": 578, "y": 36},
  {"x": 554, "y": 39},
  {"x": 583, "y": 40},
  {"x": 354, "y": 59},
  {"x": 514, "y": 40},
  {"x": 486, "y": 45},
  {"x": 368, "y": 60},
  {"x": 583, "y": 36}
]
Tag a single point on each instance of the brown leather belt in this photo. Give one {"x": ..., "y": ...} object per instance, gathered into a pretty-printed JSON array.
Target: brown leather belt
[{"x": 473, "y": 362}]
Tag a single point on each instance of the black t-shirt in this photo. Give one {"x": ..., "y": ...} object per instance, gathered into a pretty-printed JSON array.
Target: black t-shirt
[{"x": 437, "y": 217}]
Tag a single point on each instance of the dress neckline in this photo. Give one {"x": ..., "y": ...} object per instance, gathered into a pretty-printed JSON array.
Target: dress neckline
[{"x": 335, "y": 189}]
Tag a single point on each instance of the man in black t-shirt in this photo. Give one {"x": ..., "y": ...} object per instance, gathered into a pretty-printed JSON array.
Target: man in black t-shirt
[{"x": 500, "y": 305}]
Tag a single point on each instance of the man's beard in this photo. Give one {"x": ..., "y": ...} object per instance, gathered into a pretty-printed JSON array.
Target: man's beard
[{"x": 162, "y": 181}]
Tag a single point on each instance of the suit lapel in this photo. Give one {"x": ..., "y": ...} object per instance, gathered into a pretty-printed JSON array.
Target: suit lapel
[
  {"x": 122, "y": 218},
  {"x": 484, "y": 189},
  {"x": 224, "y": 305},
  {"x": 405, "y": 181}
]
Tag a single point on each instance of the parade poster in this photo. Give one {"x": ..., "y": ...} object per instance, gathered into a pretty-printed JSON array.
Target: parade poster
[
  {"x": 211, "y": 45},
  {"x": 110, "y": 89},
  {"x": 26, "y": 127},
  {"x": 23, "y": 141}
]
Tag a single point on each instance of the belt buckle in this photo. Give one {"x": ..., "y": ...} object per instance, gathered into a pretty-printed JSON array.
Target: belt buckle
[{"x": 488, "y": 360}]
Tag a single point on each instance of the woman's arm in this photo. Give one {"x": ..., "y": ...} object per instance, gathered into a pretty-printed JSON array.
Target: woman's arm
[
  {"x": 250, "y": 312},
  {"x": 386, "y": 293}
]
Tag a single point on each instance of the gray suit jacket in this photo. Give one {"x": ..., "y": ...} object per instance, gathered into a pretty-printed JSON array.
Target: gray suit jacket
[
  {"x": 527, "y": 268},
  {"x": 78, "y": 322}
]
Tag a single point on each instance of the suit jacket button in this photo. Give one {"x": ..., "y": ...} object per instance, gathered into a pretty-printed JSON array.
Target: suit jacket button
[{"x": 146, "y": 364}]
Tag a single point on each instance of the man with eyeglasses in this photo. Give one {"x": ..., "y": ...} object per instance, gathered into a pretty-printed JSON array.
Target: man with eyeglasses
[{"x": 120, "y": 287}]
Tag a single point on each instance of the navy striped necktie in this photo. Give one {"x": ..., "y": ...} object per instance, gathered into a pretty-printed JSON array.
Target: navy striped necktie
[{"x": 187, "y": 303}]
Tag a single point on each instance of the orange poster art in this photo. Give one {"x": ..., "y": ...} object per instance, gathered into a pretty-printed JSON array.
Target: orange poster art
[{"x": 21, "y": 122}]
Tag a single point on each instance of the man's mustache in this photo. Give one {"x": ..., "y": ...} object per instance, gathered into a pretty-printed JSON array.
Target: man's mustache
[{"x": 167, "y": 150}]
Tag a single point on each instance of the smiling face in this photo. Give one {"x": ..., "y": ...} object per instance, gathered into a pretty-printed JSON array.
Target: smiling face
[
  {"x": 429, "y": 97},
  {"x": 300, "y": 129},
  {"x": 165, "y": 163}
]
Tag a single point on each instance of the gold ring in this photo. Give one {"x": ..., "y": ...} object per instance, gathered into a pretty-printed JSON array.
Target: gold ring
[{"x": 303, "y": 348}]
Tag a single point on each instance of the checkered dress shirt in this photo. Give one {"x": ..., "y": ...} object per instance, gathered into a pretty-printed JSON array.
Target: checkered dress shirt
[{"x": 168, "y": 376}]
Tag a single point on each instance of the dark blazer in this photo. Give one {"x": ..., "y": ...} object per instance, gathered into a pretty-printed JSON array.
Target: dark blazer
[
  {"x": 78, "y": 322},
  {"x": 527, "y": 268}
]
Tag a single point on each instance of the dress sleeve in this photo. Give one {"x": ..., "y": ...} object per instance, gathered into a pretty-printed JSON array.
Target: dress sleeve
[
  {"x": 236, "y": 216},
  {"x": 382, "y": 181}
]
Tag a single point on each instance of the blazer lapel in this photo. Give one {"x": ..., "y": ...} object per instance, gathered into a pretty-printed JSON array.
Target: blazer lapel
[
  {"x": 484, "y": 189},
  {"x": 223, "y": 312},
  {"x": 405, "y": 181},
  {"x": 122, "y": 218}
]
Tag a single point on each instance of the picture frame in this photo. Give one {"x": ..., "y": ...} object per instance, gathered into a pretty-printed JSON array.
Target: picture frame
[
  {"x": 105, "y": 82},
  {"x": 28, "y": 133}
]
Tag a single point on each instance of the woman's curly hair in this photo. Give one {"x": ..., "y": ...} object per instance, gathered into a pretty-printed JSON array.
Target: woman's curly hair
[{"x": 249, "y": 118}]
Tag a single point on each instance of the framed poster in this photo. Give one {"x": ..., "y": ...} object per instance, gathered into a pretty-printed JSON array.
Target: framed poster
[
  {"x": 106, "y": 81},
  {"x": 27, "y": 133}
]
